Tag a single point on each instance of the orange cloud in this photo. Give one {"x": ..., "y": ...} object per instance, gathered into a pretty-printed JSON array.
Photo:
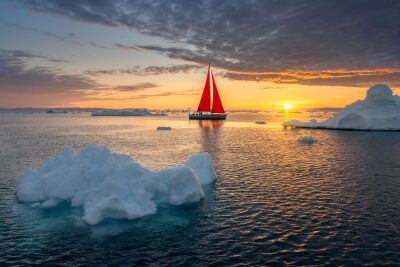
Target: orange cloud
[{"x": 342, "y": 77}]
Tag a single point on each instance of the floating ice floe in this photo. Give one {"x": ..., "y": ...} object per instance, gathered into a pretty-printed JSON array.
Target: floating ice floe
[
  {"x": 111, "y": 185},
  {"x": 164, "y": 128},
  {"x": 380, "y": 110},
  {"x": 127, "y": 112},
  {"x": 306, "y": 139}
]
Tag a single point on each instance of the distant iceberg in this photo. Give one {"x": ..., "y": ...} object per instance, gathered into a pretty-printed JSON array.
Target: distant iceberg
[
  {"x": 380, "y": 110},
  {"x": 164, "y": 128},
  {"x": 306, "y": 139},
  {"x": 111, "y": 185},
  {"x": 127, "y": 112}
]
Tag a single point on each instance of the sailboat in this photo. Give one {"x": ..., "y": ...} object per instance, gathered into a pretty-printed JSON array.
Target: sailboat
[{"x": 205, "y": 110}]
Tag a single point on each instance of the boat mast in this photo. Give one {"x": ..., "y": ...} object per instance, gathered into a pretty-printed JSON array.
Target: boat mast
[
  {"x": 211, "y": 99},
  {"x": 205, "y": 101}
]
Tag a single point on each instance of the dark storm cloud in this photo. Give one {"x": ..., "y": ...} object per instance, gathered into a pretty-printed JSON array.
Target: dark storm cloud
[
  {"x": 97, "y": 45},
  {"x": 127, "y": 47},
  {"x": 16, "y": 76},
  {"x": 58, "y": 60},
  {"x": 257, "y": 36},
  {"x": 103, "y": 72},
  {"x": 342, "y": 77},
  {"x": 144, "y": 96},
  {"x": 99, "y": 11},
  {"x": 70, "y": 36},
  {"x": 134, "y": 87},
  {"x": 166, "y": 94},
  {"x": 149, "y": 70},
  {"x": 16, "y": 56},
  {"x": 201, "y": 56},
  {"x": 185, "y": 68}
]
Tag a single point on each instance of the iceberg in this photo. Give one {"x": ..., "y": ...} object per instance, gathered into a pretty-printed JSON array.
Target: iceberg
[
  {"x": 306, "y": 139},
  {"x": 111, "y": 185},
  {"x": 127, "y": 112},
  {"x": 380, "y": 110},
  {"x": 164, "y": 128}
]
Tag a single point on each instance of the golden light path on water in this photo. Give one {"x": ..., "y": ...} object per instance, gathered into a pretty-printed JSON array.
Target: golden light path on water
[{"x": 275, "y": 199}]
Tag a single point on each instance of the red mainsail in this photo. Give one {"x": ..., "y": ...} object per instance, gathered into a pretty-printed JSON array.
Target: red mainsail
[
  {"x": 205, "y": 102},
  {"x": 217, "y": 104}
]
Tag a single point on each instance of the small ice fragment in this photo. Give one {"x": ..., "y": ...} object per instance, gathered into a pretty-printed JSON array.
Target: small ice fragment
[
  {"x": 127, "y": 112},
  {"x": 164, "y": 128},
  {"x": 306, "y": 139}
]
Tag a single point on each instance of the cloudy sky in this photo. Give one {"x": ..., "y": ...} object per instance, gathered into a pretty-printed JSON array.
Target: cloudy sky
[{"x": 147, "y": 53}]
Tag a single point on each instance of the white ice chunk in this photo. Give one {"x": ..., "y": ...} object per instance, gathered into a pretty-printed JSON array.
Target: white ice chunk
[
  {"x": 306, "y": 139},
  {"x": 110, "y": 185},
  {"x": 127, "y": 112},
  {"x": 380, "y": 110},
  {"x": 164, "y": 128}
]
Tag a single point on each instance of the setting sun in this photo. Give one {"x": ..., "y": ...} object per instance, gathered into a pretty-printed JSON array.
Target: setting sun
[{"x": 287, "y": 106}]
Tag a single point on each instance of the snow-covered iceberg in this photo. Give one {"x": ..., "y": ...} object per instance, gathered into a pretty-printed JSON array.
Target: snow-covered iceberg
[
  {"x": 127, "y": 112},
  {"x": 111, "y": 185},
  {"x": 380, "y": 110}
]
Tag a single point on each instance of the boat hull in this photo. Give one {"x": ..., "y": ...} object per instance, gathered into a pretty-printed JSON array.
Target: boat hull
[{"x": 212, "y": 116}]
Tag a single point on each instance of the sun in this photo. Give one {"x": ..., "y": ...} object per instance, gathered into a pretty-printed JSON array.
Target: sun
[{"x": 287, "y": 106}]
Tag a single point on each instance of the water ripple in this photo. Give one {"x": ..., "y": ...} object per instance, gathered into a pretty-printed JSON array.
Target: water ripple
[{"x": 276, "y": 201}]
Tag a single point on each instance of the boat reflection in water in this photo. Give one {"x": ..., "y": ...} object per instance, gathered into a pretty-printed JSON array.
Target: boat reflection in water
[
  {"x": 210, "y": 123},
  {"x": 211, "y": 137}
]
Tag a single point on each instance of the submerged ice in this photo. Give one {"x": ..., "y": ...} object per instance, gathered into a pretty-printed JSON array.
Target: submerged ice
[
  {"x": 380, "y": 110},
  {"x": 111, "y": 185},
  {"x": 306, "y": 139}
]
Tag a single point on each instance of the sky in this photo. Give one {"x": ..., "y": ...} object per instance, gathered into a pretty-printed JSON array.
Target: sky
[{"x": 154, "y": 53}]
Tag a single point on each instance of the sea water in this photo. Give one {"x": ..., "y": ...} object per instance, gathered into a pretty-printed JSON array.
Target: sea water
[{"x": 276, "y": 200}]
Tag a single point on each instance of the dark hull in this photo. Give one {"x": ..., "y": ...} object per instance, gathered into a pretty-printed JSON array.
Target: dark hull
[{"x": 207, "y": 116}]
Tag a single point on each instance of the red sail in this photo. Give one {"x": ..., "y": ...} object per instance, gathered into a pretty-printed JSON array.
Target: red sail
[
  {"x": 217, "y": 104},
  {"x": 204, "y": 105}
]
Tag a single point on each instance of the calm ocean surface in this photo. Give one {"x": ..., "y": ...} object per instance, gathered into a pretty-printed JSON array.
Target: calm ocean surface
[{"x": 275, "y": 202}]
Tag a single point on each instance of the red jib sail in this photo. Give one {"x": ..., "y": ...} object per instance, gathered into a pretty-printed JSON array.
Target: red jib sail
[
  {"x": 204, "y": 105},
  {"x": 217, "y": 104}
]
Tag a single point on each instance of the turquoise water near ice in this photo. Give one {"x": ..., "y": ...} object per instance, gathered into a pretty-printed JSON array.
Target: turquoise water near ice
[{"x": 275, "y": 202}]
